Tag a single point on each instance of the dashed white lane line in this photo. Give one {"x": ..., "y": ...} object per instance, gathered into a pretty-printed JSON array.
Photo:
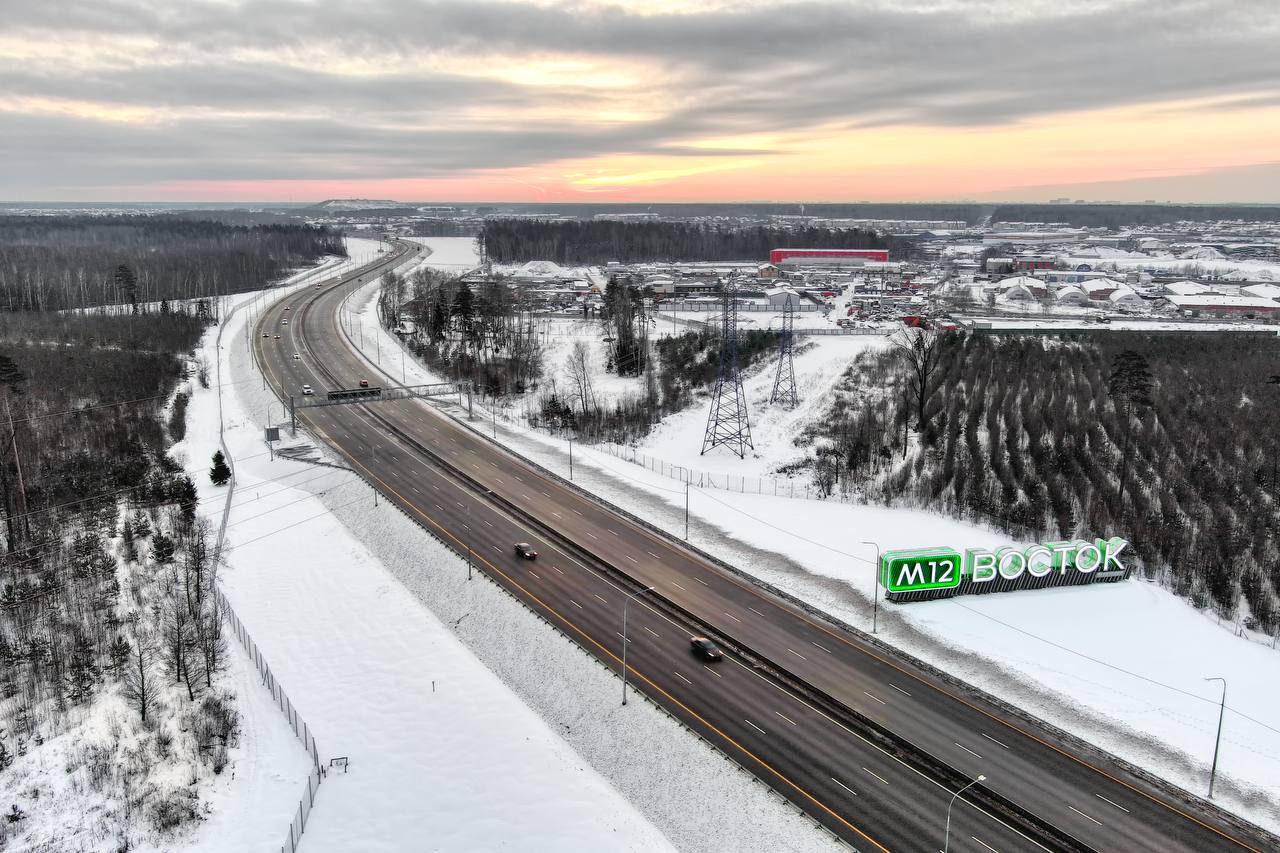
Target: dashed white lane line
[
  {"x": 701, "y": 581},
  {"x": 966, "y": 749},
  {"x": 756, "y": 612},
  {"x": 526, "y": 497},
  {"x": 797, "y": 654},
  {"x": 899, "y": 689},
  {"x": 1112, "y": 802},
  {"x": 819, "y": 645},
  {"x": 535, "y": 574},
  {"x": 1082, "y": 814},
  {"x": 557, "y": 515},
  {"x": 487, "y": 521},
  {"x": 785, "y": 717},
  {"x": 577, "y": 513},
  {"x": 873, "y": 696},
  {"x": 712, "y": 671},
  {"x": 877, "y": 775},
  {"x": 546, "y": 495},
  {"x": 619, "y": 633},
  {"x": 556, "y": 569},
  {"x": 754, "y": 726},
  {"x": 496, "y": 548},
  {"x": 993, "y": 740},
  {"x": 731, "y": 616},
  {"x": 984, "y": 844},
  {"x": 651, "y": 554},
  {"x": 677, "y": 586},
  {"x": 415, "y": 490},
  {"x": 843, "y": 785},
  {"x": 682, "y": 678},
  {"x": 651, "y": 631},
  {"x": 575, "y": 604},
  {"x": 614, "y": 532},
  {"x": 601, "y": 597},
  {"x": 632, "y": 559},
  {"x": 592, "y": 535}
]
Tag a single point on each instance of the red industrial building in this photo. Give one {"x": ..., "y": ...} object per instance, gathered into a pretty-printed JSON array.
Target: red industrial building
[{"x": 777, "y": 256}]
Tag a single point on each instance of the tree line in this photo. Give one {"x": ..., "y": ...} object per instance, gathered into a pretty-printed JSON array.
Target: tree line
[
  {"x": 1168, "y": 441},
  {"x": 601, "y": 241},
  {"x": 50, "y": 263}
]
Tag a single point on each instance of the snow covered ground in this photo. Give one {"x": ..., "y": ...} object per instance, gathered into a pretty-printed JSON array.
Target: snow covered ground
[
  {"x": 443, "y": 754},
  {"x": 1120, "y": 665}
]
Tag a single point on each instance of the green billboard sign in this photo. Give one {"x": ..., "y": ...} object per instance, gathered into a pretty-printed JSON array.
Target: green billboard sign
[{"x": 924, "y": 568}]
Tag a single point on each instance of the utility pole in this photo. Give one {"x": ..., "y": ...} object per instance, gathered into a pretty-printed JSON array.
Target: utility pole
[
  {"x": 686, "y": 510},
  {"x": 570, "y": 459},
  {"x": 1222, "y": 707},
  {"x": 875, "y": 588},
  {"x": 17, "y": 461}
]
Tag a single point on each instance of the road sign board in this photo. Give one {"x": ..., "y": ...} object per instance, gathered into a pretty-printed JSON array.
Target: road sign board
[{"x": 925, "y": 568}]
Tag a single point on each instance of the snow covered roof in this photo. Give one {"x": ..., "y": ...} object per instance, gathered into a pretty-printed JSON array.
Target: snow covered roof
[
  {"x": 1261, "y": 291},
  {"x": 1218, "y": 300},
  {"x": 1096, "y": 287},
  {"x": 1187, "y": 288},
  {"x": 1070, "y": 293},
  {"x": 1024, "y": 280}
]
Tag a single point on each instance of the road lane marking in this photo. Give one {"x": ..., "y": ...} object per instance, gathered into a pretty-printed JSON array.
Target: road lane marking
[
  {"x": 437, "y": 506},
  {"x": 1112, "y": 802},
  {"x": 545, "y": 495},
  {"x": 592, "y": 535},
  {"x": 785, "y": 717},
  {"x": 993, "y": 740},
  {"x": 499, "y": 481},
  {"x": 526, "y": 497},
  {"x": 575, "y": 604},
  {"x": 701, "y": 581},
  {"x": 633, "y": 559},
  {"x": 712, "y": 671},
  {"x": 877, "y": 775},
  {"x": 1082, "y": 814},
  {"x": 731, "y": 616},
  {"x": 756, "y": 612},
  {"x": 601, "y": 597},
  {"x": 677, "y": 586},
  {"x": 843, "y": 785},
  {"x": 614, "y": 532},
  {"x": 651, "y": 554},
  {"x": 797, "y": 654},
  {"x": 984, "y": 844},
  {"x": 819, "y": 645},
  {"x": 487, "y": 521},
  {"x": 556, "y": 569},
  {"x": 966, "y": 749},
  {"x": 619, "y": 633},
  {"x": 754, "y": 726},
  {"x": 535, "y": 574},
  {"x": 557, "y": 515},
  {"x": 682, "y": 678},
  {"x": 651, "y": 631},
  {"x": 414, "y": 490},
  {"x": 496, "y": 548},
  {"x": 877, "y": 698},
  {"x": 578, "y": 513}
]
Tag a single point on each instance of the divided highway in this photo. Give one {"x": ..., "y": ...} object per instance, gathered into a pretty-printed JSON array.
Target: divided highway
[{"x": 872, "y": 747}]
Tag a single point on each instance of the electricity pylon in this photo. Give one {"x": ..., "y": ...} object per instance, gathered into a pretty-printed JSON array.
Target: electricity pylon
[
  {"x": 784, "y": 384},
  {"x": 727, "y": 424}
]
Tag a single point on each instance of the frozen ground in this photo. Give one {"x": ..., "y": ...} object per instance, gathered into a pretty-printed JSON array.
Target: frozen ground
[
  {"x": 1120, "y": 665},
  {"x": 443, "y": 755}
]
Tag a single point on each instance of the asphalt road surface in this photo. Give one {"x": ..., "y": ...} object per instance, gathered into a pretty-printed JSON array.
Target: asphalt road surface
[{"x": 788, "y": 701}]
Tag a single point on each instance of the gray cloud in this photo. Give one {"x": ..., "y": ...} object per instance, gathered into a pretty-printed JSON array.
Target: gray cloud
[{"x": 755, "y": 68}]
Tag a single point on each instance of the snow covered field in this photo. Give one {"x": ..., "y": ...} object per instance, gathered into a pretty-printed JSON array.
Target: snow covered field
[{"x": 1121, "y": 665}]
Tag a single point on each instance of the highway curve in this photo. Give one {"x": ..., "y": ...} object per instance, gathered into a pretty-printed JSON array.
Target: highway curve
[{"x": 870, "y": 746}]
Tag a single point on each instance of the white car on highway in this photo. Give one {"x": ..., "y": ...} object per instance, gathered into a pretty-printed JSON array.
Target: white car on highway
[{"x": 306, "y": 391}]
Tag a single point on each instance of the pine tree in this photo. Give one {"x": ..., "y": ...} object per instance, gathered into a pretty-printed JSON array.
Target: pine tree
[
  {"x": 162, "y": 549},
  {"x": 6, "y": 757},
  {"x": 141, "y": 525},
  {"x": 1130, "y": 388},
  {"x": 185, "y": 494},
  {"x": 219, "y": 474}
]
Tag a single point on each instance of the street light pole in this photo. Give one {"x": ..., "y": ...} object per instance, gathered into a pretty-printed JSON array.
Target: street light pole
[
  {"x": 875, "y": 589},
  {"x": 626, "y": 601},
  {"x": 571, "y": 459},
  {"x": 1222, "y": 707},
  {"x": 946, "y": 838},
  {"x": 686, "y": 510}
]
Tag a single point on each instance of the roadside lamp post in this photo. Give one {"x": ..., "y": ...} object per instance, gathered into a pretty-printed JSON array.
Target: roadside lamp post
[
  {"x": 875, "y": 589},
  {"x": 626, "y": 601},
  {"x": 946, "y": 838},
  {"x": 571, "y": 459},
  {"x": 1222, "y": 707}
]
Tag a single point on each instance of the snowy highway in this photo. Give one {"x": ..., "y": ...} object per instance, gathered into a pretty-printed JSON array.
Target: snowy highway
[{"x": 868, "y": 744}]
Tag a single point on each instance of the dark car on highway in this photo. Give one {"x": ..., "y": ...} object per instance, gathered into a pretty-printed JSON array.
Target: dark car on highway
[
  {"x": 525, "y": 550},
  {"x": 705, "y": 649}
]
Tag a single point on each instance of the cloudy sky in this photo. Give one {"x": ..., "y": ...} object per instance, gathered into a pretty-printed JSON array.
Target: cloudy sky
[{"x": 639, "y": 100}]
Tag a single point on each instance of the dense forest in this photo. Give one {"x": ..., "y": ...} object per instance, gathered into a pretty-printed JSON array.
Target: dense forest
[
  {"x": 595, "y": 242},
  {"x": 1117, "y": 216},
  {"x": 49, "y": 263},
  {"x": 1169, "y": 441},
  {"x": 106, "y": 576}
]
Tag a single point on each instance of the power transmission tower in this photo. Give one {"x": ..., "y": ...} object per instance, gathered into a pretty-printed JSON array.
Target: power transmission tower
[
  {"x": 784, "y": 384},
  {"x": 727, "y": 423}
]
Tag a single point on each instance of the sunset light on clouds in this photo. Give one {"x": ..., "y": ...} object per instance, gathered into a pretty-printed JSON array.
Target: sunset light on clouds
[{"x": 464, "y": 100}]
